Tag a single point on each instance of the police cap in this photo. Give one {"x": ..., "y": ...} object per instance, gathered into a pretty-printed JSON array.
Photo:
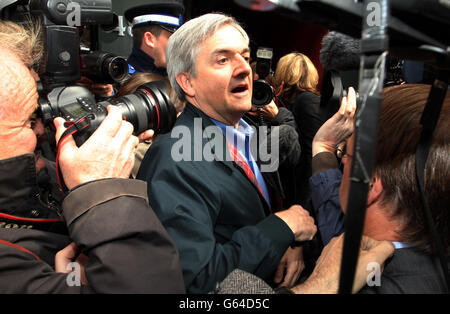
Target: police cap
[{"x": 167, "y": 15}]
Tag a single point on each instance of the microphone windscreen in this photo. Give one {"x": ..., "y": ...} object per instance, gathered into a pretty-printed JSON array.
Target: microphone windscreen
[{"x": 340, "y": 52}]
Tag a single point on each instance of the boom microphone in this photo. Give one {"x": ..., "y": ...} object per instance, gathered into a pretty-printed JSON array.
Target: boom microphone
[
  {"x": 340, "y": 57},
  {"x": 340, "y": 52}
]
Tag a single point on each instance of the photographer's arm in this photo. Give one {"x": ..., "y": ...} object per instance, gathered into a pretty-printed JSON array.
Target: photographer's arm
[
  {"x": 326, "y": 176},
  {"x": 325, "y": 277},
  {"x": 284, "y": 116},
  {"x": 109, "y": 218},
  {"x": 111, "y": 223}
]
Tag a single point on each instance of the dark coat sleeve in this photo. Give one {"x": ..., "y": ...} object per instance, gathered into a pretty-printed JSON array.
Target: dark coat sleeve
[
  {"x": 325, "y": 183},
  {"x": 284, "y": 116},
  {"x": 21, "y": 271},
  {"x": 289, "y": 145},
  {"x": 128, "y": 249}
]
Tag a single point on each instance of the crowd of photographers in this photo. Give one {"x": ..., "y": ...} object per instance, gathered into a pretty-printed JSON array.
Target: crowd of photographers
[{"x": 77, "y": 218}]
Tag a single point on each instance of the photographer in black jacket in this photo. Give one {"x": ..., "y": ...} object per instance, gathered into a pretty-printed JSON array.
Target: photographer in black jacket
[{"x": 105, "y": 216}]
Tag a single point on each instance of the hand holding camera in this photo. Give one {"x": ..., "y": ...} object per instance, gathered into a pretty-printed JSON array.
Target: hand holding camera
[
  {"x": 263, "y": 92},
  {"x": 269, "y": 111},
  {"x": 99, "y": 89},
  {"x": 108, "y": 153}
]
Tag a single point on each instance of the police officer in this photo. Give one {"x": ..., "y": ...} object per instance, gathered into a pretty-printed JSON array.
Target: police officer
[{"x": 152, "y": 26}]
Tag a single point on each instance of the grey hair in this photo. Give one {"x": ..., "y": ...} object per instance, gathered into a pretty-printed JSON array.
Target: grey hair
[
  {"x": 183, "y": 46},
  {"x": 26, "y": 40}
]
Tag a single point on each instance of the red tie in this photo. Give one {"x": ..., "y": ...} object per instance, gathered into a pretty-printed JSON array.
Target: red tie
[{"x": 241, "y": 162}]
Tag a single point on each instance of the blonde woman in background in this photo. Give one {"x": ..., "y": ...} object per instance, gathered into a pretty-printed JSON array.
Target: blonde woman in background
[{"x": 295, "y": 82}]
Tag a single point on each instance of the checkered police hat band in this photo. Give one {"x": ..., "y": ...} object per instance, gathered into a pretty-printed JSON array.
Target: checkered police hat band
[{"x": 159, "y": 18}]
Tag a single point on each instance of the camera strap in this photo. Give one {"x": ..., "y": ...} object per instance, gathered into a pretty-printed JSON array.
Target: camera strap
[
  {"x": 429, "y": 119},
  {"x": 72, "y": 127},
  {"x": 374, "y": 47}
]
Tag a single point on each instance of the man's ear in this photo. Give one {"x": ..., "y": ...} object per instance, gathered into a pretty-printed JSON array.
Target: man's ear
[
  {"x": 183, "y": 79},
  {"x": 375, "y": 190},
  {"x": 149, "y": 39}
]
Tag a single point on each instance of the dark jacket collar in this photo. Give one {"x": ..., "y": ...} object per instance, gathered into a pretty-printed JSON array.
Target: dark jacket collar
[
  {"x": 195, "y": 112},
  {"x": 142, "y": 62},
  {"x": 191, "y": 112}
]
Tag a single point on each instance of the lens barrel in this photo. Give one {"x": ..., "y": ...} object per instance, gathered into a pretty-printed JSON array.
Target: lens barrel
[
  {"x": 148, "y": 108},
  {"x": 263, "y": 93},
  {"x": 102, "y": 67}
]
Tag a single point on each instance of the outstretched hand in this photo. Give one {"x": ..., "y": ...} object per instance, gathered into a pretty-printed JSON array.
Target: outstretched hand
[
  {"x": 290, "y": 267},
  {"x": 338, "y": 128}
]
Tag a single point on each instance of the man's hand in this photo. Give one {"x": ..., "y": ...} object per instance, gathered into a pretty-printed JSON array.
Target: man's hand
[
  {"x": 291, "y": 266},
  {"x": 104, "y": 90},
  {"x": 66, "y": 256},
  {"x": 338, "y": 128},
  {"x": 300, "y": 222},
  {"x": 269, "y": 111},
  {"x": 108, "y": 153},
  {"x": 146, "y": 135},
  {"x": 325, "y": 277}
]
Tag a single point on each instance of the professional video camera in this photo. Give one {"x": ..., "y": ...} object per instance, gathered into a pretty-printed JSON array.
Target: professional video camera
[
  {"x": 263, "y": 93},
  {"x": 59, "y": 96}
]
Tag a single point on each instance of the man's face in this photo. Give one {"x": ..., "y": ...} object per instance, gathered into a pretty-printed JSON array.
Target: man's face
[
  {"x": 160, "y": 49},
  {"x": 17, "y": 104},
  {"x": 347, "y": 160},
  {"x": 223, "y": 85}
]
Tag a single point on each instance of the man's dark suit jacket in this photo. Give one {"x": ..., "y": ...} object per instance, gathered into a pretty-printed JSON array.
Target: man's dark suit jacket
[
  {"x": 412, "y": 272},
  {"x": 216, "y": 216}
]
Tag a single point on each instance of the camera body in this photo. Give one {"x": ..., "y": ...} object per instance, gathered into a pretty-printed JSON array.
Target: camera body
[
  {"x": 263, "y": 92},
  {"x": 72, "y": 103}
]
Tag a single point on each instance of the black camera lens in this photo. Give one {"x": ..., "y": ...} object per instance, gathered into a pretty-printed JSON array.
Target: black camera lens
[
  {"x": 148, "y": 108},
  {"x": 116, "y": 68},
  {"x": 104, "y": 68},
  {"x": 262, "y": 93}
]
